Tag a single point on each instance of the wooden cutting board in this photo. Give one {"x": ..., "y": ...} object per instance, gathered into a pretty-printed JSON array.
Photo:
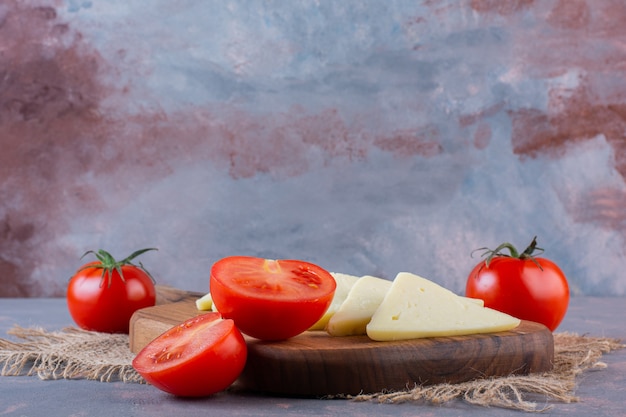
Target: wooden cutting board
[{"x": 316, "y": 364}]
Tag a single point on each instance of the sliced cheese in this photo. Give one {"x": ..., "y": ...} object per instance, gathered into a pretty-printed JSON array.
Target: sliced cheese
[
  {"x": 475, "y": 301},
  {"x": 415, "y": 307},
  {"x": 204, "y": 303},
  {"x": 344, "y": 283},
  {"x": 359, "y": 306}
]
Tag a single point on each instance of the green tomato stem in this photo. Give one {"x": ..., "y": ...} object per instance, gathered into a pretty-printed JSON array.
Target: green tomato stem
[
  {"x": 108, "y": 264},
  {"x": 528, "y": 253}
]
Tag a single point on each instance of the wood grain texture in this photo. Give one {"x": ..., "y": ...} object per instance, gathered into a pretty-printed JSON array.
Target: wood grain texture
[
  {"x": 173, "y": 306},
  {"x": 316, "y": 364},
  {"x": 168, "y": 295}
]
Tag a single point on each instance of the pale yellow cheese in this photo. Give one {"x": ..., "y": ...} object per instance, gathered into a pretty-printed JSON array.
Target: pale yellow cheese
[
  {"x": 359, "y": 306},
  {"x": 475, "y": 301},
  {"x": 415, "y": 307},
  {"x": 204, "y": 303},
  {"x": 344, "y": 283}
]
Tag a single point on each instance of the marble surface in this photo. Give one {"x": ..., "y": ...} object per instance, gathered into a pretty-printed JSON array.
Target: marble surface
[
  {"x": 602, "y": 392},
  {"x": 370, "y": 137}
]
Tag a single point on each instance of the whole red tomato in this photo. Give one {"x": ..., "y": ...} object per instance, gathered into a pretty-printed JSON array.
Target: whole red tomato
[
  {"x": 196, "y": 358},
  {"x": 522, "y": 285},
  {"x": 271, "y": 299},
  {"x": 102, "y": 295}
]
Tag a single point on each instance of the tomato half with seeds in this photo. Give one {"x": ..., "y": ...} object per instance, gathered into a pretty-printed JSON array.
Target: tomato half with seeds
[
  {"x": 200, "y": 357},
  {"x": 271, "y": 299}
]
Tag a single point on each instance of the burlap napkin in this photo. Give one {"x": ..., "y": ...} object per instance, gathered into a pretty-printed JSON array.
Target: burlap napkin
[
  {"x": 77, "y": 354},
  {"x": 69, "y": 354}
]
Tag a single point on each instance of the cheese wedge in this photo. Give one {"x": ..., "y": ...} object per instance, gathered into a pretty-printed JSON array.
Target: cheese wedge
[
  {"x": 415, "y": 307},
  {"x": 475, "y": 301},
  {"x": 356, "y": 311},
  {"x": 204, "y": 303},
  {"x": 344, "y": 283}
]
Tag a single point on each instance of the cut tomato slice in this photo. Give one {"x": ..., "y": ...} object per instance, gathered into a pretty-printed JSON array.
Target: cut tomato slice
[
  {"x": 271, "y": 299},
  {"x": 199, "y": 357}
]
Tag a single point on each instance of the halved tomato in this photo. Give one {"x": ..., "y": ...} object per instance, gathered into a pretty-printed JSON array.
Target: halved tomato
[
  {"x": 271, "y": 299},
  {"x": 197, "y": 358}
]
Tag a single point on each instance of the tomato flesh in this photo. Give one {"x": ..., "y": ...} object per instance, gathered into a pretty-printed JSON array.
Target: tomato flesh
[
  {"x": 107, "y": 305},
  {"x": 200, "y": 357},
  {"x": 534, "y": 290},
  {"x": 271, "y": 299}
]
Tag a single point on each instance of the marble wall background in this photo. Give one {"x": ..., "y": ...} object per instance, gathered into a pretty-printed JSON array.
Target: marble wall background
[{"x": 369, "y": 137}]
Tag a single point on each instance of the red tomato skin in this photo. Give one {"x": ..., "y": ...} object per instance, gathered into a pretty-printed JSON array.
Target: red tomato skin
[
  {"x": 105, "y": 308},
  {"x": 521, "y": 288},
  {"x": 208, "y": 355},
  {"x": 267, "y": 320},
  {"x": 264, "y": 316}
]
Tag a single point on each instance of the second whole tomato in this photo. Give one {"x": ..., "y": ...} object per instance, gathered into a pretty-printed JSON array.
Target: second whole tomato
[
  {"x": 521, "y": 284},
  {"x": 103, "y": 295}
]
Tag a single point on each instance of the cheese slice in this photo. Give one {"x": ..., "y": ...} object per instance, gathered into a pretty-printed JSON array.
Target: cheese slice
[
  {"x": 359, "y": 306},
  {"x": 344, "y": 284},
  {"x": 204, "y": 303},
  {"x": 415, "y": 307},
  {"x": 475, "y": 300}
]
